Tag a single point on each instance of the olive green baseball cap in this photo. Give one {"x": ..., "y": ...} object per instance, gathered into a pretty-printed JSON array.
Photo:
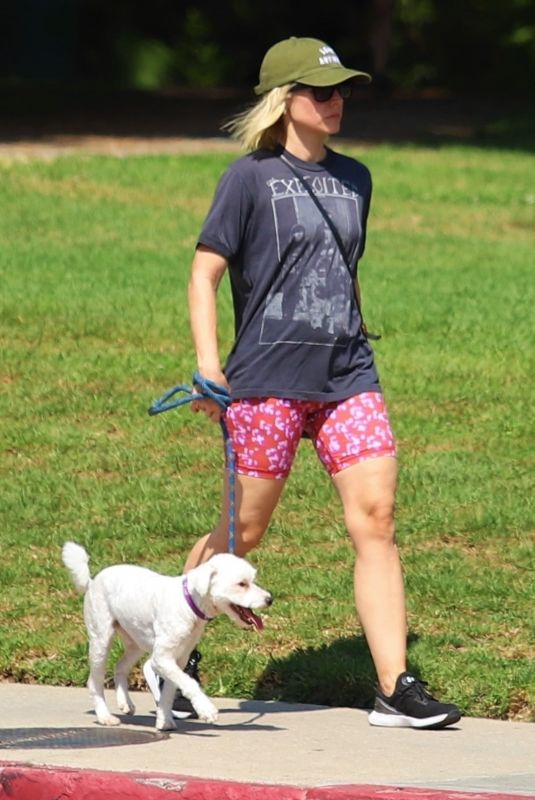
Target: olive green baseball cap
[{"x": 304, "y": 60}]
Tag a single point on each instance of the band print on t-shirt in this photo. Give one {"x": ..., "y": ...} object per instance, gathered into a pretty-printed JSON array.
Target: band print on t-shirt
[{"x": 311, "y": 299}]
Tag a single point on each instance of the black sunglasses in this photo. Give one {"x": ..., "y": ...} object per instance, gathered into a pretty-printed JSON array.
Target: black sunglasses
[{"x": 322, "y": 94}]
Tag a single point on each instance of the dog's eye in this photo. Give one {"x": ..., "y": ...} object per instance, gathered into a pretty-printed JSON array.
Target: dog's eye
[{"x": 243, "y": 584}]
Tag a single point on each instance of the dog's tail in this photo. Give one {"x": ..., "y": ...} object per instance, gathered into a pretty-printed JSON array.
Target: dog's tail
[{"x": 76, "y": 560}]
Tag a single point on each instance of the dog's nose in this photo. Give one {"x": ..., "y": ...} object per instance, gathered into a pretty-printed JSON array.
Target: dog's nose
[{"x": 269, "y": 600}]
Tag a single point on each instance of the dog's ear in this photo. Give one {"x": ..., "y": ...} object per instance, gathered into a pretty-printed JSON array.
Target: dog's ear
[{"x": 201, "y": 576}]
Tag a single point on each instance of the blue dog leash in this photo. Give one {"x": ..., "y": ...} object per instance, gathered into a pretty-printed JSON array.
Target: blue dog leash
[{"x": 204, "y": 389}]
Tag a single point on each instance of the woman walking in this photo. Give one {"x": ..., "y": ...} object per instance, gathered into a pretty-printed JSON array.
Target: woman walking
[{"x": 288, "y": 222}]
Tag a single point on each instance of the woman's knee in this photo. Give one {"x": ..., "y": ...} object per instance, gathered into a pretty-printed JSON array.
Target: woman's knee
[
  {"x": 374, "y": 525},
  {"x": 247, "y": 538},
  {"x": 245, "y": 543},
  {"x": 368, "y": 491},
  {"x": 247, "y": 535},
  {"x": 383, "y": 523}
]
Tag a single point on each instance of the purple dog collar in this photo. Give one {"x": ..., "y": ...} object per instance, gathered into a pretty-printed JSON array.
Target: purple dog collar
[{"x": 191, "y": 602}]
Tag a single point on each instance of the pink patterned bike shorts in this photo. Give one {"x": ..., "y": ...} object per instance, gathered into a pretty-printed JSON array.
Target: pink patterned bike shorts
[{"x": 265, "y": 432}]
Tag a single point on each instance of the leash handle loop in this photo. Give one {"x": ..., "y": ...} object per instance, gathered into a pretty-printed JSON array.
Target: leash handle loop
[
  {"x": 202, "y": 389},
  {"x": 164, "y": 403},
  {"x": 212, "y": 391}
]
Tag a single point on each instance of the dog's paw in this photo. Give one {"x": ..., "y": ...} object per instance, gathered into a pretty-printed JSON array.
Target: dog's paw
[
  {"x": 108, "y": 720},
  {"x": 165, "y": 723},
  {"x": 127, "y": 708},
  {"x": 206, "y": 711}
]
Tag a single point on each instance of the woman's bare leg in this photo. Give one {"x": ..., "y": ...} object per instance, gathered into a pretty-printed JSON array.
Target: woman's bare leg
[
  {"x": 367, "y": 491},
  {"x": 256, "y": 499}
]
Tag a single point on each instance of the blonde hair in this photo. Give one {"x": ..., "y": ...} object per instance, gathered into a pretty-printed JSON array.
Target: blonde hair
[{"x": 261, "y": 125}]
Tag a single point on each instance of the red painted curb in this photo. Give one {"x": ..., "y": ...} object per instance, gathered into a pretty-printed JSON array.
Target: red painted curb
[{"x": 27, "y": 782}]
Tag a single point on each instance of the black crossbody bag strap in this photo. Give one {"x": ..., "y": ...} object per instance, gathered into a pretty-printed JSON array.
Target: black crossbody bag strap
[{"x": 338, "y": 240}]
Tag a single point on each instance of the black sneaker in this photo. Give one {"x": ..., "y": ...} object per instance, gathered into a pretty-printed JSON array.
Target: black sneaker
[
  {"x": 181, "y": 703},
  {"x": 182, "y": 707},
  {"x": 411, "y": 706}
]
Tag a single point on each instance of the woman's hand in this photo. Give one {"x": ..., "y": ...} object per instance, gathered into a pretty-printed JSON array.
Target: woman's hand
[{"x": 209, "y": 407}]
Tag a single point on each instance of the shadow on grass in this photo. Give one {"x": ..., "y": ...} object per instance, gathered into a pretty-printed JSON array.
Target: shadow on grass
[
  {"x": 338, "y": 674},
  {"x": 34, "y": 112}
]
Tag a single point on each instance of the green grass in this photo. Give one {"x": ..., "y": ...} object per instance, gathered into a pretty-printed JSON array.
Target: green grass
[{"x": 95, "y": 256}]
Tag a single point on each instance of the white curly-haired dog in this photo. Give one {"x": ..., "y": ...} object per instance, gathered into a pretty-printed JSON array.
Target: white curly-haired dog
[{"x": 163, "y": 615}]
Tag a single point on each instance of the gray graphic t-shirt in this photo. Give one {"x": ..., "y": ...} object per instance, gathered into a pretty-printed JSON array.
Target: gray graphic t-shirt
[{"x": 297, "y": 322}]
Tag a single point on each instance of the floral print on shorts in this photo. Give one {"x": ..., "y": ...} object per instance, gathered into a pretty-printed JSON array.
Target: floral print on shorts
[{"x": 266, "y": 431}]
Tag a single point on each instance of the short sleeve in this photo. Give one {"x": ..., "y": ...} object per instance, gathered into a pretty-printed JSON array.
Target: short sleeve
[{"x": 224, "y": 227}]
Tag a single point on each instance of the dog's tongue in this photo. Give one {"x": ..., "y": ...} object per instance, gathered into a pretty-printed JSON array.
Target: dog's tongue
[
  {"x": 254, "y": 619},
  {"x": 257, "y": 622},
  {"x": 249, "y": 617}
]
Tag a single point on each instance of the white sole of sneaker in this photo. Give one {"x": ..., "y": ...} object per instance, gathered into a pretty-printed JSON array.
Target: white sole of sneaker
[
  {"x": 181, "y": 714},
  {"x": 400, "y": 721}
]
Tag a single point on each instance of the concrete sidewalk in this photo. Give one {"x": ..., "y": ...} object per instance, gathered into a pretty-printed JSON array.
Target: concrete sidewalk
[{"x": 49, "y": 738}]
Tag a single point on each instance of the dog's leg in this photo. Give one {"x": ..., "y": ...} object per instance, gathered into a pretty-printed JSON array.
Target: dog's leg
[
  {"x": 101, "y": 630},
  {"x": 99, "y": 646},
  {"x": 167, "y": 668},
  {"x": 132, "y": 653},
  {"x": 164, "y": 717}
]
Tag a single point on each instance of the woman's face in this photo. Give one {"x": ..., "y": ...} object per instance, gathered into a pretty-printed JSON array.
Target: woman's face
[{"x": 303, "y": 111}]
